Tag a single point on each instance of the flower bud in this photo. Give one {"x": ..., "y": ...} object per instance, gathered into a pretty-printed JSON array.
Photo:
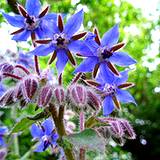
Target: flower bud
[
  {"x": 7, "y": 98},
  {"x": 78, "y": 95},
  {"x": 116, "y": 129},
  {"x": 6, "y": 67},
  {"x": 45, "y": 96},
  {"x": 29, "y": 88},
  {"x": 18, "y": 92},
  {"x": 128, "y": 130},
  {"x": 93, "y": 100},
  {"x": 59, "y": 94}
]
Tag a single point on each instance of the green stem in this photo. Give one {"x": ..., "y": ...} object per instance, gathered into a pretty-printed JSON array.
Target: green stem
[
  {"x": 82, "y": 151},
  {"x": 58, "y": 120}
]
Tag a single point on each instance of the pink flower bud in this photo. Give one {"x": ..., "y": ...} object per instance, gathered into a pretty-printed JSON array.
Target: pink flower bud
[
  {"x": 59, "y": 94},
  {"x": 18, "y": 92},
  {"x": 78, "y": 95},
  {"x": 29, "y": 88},
  {"x": 116, "y": 129},
  {"x": 94, "y": 100},
  {"x": 7, "y": 98},
  {"x": 128, "y": 130},
  {"x": 45, "y": 96}
]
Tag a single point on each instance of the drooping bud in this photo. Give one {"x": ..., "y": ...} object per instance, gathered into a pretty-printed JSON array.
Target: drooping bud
[
  {"x": 7, "y": 98},
  {"x": 6, "y": 67},
  {"x": 78, "y": 95},
  {"x": 45, "y": 96},
  {"x": 116, "y": 129},
  {"x": 18, "y": 92},
  {"x": 93, "y": 100},
  {"x": 128, "y": 130},
  {"x": 29, "y": 88},
  {"x": 59, "y": 94}
]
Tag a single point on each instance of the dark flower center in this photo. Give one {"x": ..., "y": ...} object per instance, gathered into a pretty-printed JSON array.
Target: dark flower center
[
  {"x": 60, "y": 41},
  {"x": 106, "y": 54},
  {"x": 31, "y": 22},
  {"x": 110, "y": 89}
]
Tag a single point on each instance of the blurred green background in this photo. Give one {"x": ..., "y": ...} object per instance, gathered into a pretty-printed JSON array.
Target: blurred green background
[{"x": 142, "y": 33}]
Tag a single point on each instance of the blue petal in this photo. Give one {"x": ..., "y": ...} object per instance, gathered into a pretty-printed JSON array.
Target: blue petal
[
  {"x": 40, "y": 147},
  {"x": 125, "y": 97},
  {"x": 48, "y": 126},
  {"x": 51, "y": 17},
  {"x": 108, "y": 106},
  {"x": 33, "y": 7},
  {"x": 23, "y": 36},
  {"x": 36, "y": 132},
  {"x": 43, "y": 50},
  {"x": 91, "y": 43},
  {"x": 62, "y": 59},
  {"x": 16, "y": 21},
  {"x": 122, "y": 59},
  {"x": 54, "y": 139},
  {"x": 2, "y": 143},
  {"x": 79, "y": 47},
  {"x": 122, "y": 78},
  {"x": 105, "y": 75},
  {"x": 87, "y": 65},
  {"x": 111, "y": 37},
  {"x": 45, "y": 30},
  {"x": 74, "y": 23},
  {"x": 3, "y": 130}
]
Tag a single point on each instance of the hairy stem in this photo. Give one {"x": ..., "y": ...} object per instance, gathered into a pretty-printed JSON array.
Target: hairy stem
[
  {"x": 58, "y": 120},
  {"x": 82, "y": 122}
]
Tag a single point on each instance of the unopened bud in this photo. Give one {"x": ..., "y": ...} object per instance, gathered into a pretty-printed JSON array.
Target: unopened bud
[
  {"x": 7, "y": 98},
  {"x": 45, "y": 96},
  {"x": 104, "y": 132},
  {"x": 128, "y": 130},
  {"x": 59, "y": 94},
  {"x": 6, "y": 67},
  {"x": 116, "y": 129},
  {"x": 29, "y": 88},
  {"x": 78, "y": 95},
  {"x": 93, "y": 100}
]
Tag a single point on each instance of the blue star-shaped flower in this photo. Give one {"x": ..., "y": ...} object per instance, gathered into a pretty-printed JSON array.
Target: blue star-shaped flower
[
  {"x": 113, "y": 90},
  {"x": 3, "y": 131},
  {"x": 63, "y": 41},
  {"x": 45, "y": 134},
  {"x": 25, "y": 60},
  {"x": 104, "y": 52},
  {"x": 31, "y": 21}
]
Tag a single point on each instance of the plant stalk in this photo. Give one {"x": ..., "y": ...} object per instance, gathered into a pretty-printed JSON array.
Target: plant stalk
[{"x": 58, "y": 120}]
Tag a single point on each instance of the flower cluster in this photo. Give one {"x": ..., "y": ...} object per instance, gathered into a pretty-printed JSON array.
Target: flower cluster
[{"x": 105, "y": 90}]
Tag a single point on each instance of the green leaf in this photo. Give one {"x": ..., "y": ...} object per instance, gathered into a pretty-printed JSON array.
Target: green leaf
[
  {"x": 22, "y": 125},
  {"x": 88, "y": 139}
]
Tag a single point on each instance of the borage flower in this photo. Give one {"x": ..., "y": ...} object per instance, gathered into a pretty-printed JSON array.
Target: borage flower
[
  {"x": 63, "y": 41},
  {"x": 30, "y": 21},
  {"x": 104, "y": 52},
  {"x": 3, "y": 131},
  {"x": 45, "y": 134},
  {"x": 113, "y": 90},
  {"x": 25, "y": 60}
]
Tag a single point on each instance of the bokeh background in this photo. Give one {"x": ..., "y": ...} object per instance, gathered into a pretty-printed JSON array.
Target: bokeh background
[{"x": 140, "y": 29}]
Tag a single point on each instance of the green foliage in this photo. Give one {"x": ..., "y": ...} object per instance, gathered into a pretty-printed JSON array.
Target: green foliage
[
  {"x": 88, "y": 139},
  {"x": 22, "y": 125}
]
